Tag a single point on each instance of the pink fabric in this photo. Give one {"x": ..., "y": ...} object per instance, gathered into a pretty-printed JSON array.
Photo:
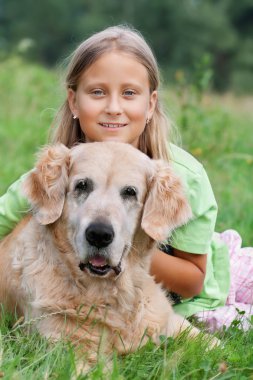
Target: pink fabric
[{"x": 239, "y": 303}]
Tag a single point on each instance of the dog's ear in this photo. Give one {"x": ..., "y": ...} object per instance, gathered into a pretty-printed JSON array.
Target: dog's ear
[
  {"x": 45, "y": 186},
  {"x": 166, "y": 206}
]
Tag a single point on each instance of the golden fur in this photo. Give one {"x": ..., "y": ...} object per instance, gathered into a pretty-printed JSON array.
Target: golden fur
[{"x": 44, "y": 273}]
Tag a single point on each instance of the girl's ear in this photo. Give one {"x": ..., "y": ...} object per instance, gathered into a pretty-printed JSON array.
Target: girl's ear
[
  {"x": 152, "y": 104},
  {"x": 45, "y": 186},
  {"x": 72, "y": 101},
  {"x": 166, "y": 206}
]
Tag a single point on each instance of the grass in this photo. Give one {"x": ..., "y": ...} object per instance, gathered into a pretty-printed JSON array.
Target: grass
[
  {"x": 24, "y": 356},
  {"x": 29, "y": 96},
  {"x": 218, "y": 131}
]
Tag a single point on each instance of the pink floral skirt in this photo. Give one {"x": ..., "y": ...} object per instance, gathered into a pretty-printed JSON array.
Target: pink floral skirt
[{"x": 239, "y": 305}]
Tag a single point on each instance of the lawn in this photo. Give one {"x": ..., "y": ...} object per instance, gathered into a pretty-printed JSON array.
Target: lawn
[{"x": 217, "y": 130}]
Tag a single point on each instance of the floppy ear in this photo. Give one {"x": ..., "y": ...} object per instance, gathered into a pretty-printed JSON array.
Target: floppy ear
[
  {"x": 166, "y": 206},
  {"x": 45, "y": 186}
]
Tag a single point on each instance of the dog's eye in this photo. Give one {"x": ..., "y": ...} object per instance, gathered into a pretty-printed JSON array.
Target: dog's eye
[
  {"x": 84, "y": 186},
  {"x": 129, "y": 192}
]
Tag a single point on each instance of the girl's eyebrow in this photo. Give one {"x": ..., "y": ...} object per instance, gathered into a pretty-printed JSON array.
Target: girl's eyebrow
[
  {"x": 98, "y": 84},
  {"x": 132, "y": 84},
  {"x": 93, "y": 84}
]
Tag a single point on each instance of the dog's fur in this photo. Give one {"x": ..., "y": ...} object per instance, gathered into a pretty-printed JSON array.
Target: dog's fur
[{"x": 53, "y": 275}]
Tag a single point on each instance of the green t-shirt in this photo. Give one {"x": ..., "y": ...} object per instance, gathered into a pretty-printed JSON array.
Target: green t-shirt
[
  {"x": 13, "y": 206},
  {"x": 197, "y": 236}
]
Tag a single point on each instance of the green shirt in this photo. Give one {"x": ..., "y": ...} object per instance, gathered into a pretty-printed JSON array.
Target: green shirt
[
  {"x": 197, "y": 236},
  {"x": 13, "y": 206}
]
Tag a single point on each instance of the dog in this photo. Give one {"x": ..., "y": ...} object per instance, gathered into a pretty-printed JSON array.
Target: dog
[{"x": 77, "y": 266}]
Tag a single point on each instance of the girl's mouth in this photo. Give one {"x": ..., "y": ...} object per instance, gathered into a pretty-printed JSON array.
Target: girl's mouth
[{"x": 112, "y": 125}]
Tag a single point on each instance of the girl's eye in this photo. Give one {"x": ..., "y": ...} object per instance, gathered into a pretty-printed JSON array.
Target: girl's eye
[
  {"x": 97, "y": 92},
  {"x": 129, "y": 93}
]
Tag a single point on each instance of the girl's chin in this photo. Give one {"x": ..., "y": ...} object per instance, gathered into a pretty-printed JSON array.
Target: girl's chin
[
  {"x": 121, "y": 139},
  {"x": 116, "y": 138}
]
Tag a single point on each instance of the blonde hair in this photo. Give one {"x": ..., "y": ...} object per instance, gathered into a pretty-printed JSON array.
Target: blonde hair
[{"x": 153, "y": 140}]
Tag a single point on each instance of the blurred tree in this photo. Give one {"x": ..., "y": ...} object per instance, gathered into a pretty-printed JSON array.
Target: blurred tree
[
  {"x": 50, "y": 24},
  {"x": 181, "y": 33},
  {"x": 241, "y": 15}
]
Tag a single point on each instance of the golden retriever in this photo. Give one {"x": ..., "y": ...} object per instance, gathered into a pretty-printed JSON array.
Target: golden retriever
[{"x": 78, "y": 265}]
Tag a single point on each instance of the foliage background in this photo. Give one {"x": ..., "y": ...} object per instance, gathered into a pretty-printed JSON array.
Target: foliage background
[{"x": 181, "y": 32}]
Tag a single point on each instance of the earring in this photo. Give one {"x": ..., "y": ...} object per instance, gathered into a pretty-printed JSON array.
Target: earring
[
  {"x": 147, "y": 121},
  {"x": 74, "y": 117}
]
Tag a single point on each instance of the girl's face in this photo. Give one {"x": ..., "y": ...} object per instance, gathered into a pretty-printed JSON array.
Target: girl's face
[{"x": 113, "y": 100}]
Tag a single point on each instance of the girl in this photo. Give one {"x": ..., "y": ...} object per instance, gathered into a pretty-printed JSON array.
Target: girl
[{"x": 112, "y": 94}]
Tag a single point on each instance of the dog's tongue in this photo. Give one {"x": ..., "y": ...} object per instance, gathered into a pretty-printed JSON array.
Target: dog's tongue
[{"x": 98, "y": 261}]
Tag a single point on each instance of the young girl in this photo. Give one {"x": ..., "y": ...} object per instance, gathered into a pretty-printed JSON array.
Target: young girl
[{"x": 112, "y": 94}]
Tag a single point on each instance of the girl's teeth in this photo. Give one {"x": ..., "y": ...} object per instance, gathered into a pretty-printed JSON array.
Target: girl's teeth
[{"x": 112, "y": 125}]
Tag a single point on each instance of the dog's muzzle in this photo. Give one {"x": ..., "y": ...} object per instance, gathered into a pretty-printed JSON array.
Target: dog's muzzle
[{"x": 99, "y": 235}]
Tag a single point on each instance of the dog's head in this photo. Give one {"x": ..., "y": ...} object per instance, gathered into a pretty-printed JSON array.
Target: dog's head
[{"x": 105, "y": 192}]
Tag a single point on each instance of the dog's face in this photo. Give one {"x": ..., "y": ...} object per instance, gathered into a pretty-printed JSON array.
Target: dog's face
[
  {"x": 107, "y": 188},
  {"x": 105, "y": 192}
]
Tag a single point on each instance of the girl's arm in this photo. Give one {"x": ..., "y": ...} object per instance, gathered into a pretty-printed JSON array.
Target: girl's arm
[{"x": 182, "y": 273}]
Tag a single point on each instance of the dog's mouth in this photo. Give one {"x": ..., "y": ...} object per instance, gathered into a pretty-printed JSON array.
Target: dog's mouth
[{"x": 99, "y": 266}]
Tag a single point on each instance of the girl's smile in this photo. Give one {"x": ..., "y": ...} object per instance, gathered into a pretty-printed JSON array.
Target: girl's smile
[
  {"x": 112, "y": 125},
  {"x": 113, "y": 99}
]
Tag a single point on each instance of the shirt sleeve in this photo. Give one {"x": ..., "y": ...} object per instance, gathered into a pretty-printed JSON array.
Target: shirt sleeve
[
  {"x": 196, "y": 235},
  {"x": 13, "y": 206}
]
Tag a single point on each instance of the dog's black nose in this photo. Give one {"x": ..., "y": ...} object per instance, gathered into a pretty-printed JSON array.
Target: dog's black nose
[{"x": 99, "y": 235}]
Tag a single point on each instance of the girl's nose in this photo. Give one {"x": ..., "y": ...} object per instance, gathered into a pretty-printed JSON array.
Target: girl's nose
[{"x": 113, "y": 106}]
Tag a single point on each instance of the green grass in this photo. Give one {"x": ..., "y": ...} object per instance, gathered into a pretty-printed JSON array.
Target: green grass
[
  {"x": 218, "y": 131},
  {"x": 24, "y": 356},
  {"x": 29, "y": 96}
]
